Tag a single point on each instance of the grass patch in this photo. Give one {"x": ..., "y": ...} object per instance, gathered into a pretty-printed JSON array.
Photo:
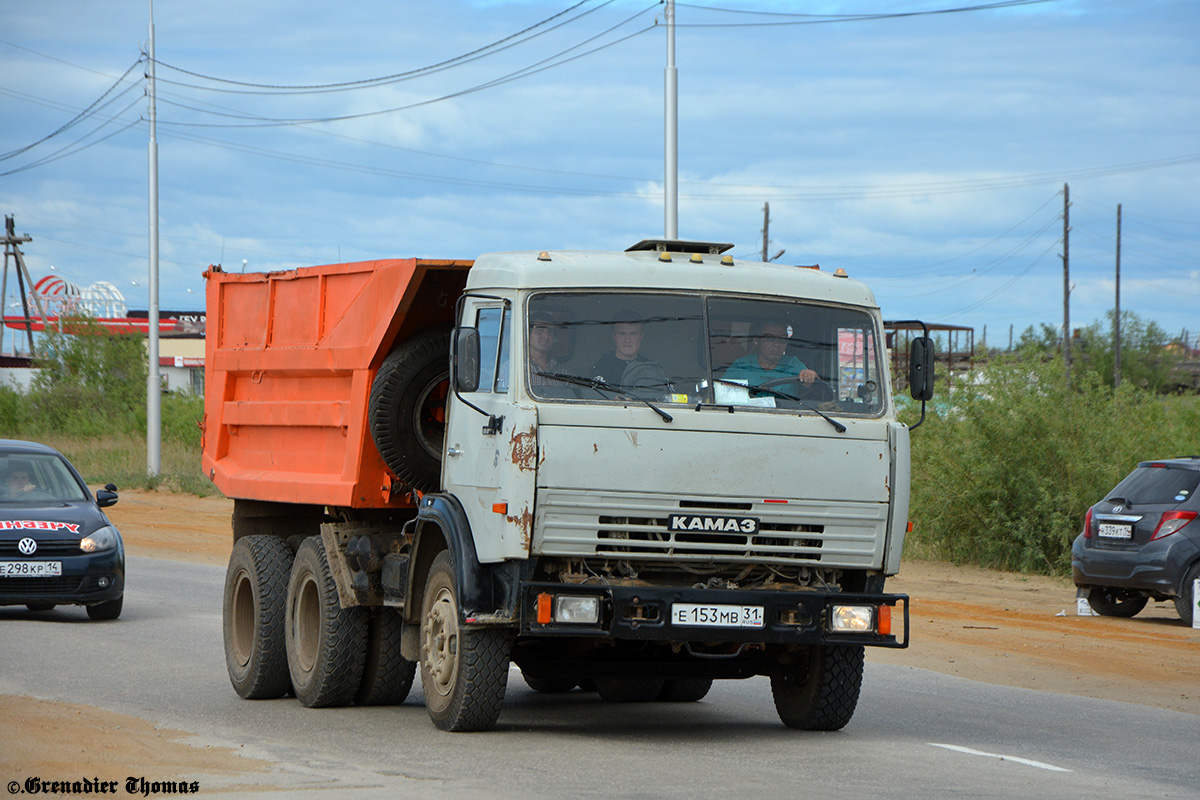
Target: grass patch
[{"x": 121, "y": 459}]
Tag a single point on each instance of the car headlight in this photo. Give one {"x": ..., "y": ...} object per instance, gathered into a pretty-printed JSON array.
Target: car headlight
[{"x": 105, "y": 538}]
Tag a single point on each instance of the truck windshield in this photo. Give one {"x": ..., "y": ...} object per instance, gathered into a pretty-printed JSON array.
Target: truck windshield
[{"x": 750, "y": 353}]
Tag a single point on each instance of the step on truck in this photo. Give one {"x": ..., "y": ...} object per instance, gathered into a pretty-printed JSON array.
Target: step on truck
[{"x": 630, "y": 472}]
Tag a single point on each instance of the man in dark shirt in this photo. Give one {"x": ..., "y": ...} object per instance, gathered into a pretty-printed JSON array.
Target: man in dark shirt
[{"x": 627, "y": 341}]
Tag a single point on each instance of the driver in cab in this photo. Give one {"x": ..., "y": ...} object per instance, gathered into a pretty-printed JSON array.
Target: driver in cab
[{"x": 769, "y": 359}]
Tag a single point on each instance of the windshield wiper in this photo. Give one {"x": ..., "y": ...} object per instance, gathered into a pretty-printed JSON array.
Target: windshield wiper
[
  {"x": 597, "y": 383},
  {"x": 837, "y": 426}
]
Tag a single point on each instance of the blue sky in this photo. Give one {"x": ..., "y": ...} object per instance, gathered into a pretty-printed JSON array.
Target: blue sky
[{"x": 924, "y": 154}]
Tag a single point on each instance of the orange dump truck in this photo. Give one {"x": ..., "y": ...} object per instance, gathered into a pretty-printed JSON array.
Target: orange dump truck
[{"x": 634, "y": 471}]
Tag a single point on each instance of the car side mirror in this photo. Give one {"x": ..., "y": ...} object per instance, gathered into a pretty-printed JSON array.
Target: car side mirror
[
  {"x": 106, "y": 497},
  {"x": 464, "y": 360},
  {"x": 920, "y": 369}
]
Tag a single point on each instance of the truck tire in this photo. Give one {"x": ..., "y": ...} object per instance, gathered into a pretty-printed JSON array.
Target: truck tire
[
  {"x": 326, "y": 644},
  {"x": 407, "y": 408},
  {"x": 1184, "y": 602},
  {"x": 1109, "y": 602},
  {"x": 387, "y": 675},
  {"x": 629, "y": 690},
  {"x": 685, "y": 690},
  {"x": 821, "y": 692},
  {"x": 464, "y": 671},
  {"x": 252, "y": 617}
]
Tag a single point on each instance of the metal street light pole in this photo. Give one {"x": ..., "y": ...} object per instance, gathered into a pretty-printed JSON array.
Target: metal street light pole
[
  {"x": 671, "y": 182},
  {"x": 153, "y": 390}
]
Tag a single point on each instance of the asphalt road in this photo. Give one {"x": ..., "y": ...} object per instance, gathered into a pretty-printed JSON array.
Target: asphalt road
[{"x": 917, "y": 734}]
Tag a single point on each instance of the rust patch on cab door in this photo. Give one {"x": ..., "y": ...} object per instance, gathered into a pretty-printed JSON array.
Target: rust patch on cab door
[{"x": 524, "y": 449}]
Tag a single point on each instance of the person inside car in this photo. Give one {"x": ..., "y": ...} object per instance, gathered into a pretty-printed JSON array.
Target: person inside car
[
  {"x": 18, "y": 482},
  {"x": 627, "y": 337},
  {"x": 769, "y": 359}
]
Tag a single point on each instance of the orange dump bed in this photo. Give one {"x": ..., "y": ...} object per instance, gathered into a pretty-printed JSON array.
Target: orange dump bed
[{"x": 289, "y": 361}]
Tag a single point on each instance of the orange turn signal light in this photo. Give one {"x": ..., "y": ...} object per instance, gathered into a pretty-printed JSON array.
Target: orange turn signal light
[
  {"x": 883, "y": 621},
  {"x": 545, "y": 608},
  {"x": 500, "y": 508}
]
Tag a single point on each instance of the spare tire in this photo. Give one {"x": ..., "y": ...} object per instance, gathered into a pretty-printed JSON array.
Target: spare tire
[{"x": 407, "y": 409}]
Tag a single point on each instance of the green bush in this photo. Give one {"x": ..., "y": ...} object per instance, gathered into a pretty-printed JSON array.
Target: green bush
[
  {"x": 88, "y": 400},
  {"x": 1006, "y": 468}
]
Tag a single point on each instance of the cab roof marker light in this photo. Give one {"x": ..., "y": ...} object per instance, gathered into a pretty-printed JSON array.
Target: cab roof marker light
[
  {"x": 664, "y": 256},
  {"x": 840, "y": 273},
  {"x": 727, "y": 261},
  {"x": 697, "y": 258},
  {"x": 543, "y": 256}
]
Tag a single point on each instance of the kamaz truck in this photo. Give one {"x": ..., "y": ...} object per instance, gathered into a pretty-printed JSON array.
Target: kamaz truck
[{"x": 630, "y": 472}]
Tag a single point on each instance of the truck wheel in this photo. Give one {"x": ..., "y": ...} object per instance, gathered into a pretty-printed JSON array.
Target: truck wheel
[
  {"x": 685, "y": 690},
  {"x": 407, "y": 408},
  {"x": 252, "y": 617},
  {"x": 1185, "y": 602},
  {"x": 1109, "y": 602},
  {"x": 629, "y": 690},
  {"x": 550, "y": 685},
  {"x": 820, "y": 693},
  {"x": 326, "y": 644},
  {"x": 464, "y": 671},
  {"x": 387, "y": 675}
]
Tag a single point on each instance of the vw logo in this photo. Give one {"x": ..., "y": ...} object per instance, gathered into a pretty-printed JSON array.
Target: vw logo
[
  {"x": 1118, "y": 508},
  {"x": 27, "y": 546}
]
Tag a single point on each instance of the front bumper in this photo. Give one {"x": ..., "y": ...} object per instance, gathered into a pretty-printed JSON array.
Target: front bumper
[
  {"x": 1156, "y": 567},
  {"x": 79, "y": 583},
  {"x": 643, "y": 613}
]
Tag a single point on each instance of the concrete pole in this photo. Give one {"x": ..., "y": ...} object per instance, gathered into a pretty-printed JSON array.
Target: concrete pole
[{"x": 153, "y": 385}]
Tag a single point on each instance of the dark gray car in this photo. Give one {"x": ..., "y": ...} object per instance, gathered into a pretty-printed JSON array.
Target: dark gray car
[
  {"x": 1142, "y": 542},
  {"x": 56, "y": 545}
]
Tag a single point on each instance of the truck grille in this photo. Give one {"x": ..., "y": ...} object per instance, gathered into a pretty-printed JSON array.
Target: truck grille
[{"x": 635, "y": 527}]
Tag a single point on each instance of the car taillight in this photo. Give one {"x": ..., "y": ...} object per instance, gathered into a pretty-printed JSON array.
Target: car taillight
[
  {"x": 1171, "y": 522},
  {"x": 1087, "y": 525}
]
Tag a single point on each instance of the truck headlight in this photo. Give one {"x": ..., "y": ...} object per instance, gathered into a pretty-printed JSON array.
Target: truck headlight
[
  {"x": 852, "y": 619},
  {"x": 576, "y": 609}
]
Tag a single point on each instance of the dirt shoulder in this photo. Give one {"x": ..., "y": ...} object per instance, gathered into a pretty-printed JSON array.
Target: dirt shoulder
[{"x": 994, "y": 627}]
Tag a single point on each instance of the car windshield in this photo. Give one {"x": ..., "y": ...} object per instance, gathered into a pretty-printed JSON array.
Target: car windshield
[
  {"x": 36, "y": 478},
  {"x": 748, "y": 353},
  {"x": 1157, "y": 486}
]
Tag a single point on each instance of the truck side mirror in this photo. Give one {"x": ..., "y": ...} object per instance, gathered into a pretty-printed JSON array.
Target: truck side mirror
[
  {"x": 920, "y": 369},
  {"x": 464, "y": 360}
]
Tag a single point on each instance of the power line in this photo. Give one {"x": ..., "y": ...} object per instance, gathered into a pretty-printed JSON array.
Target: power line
[
  {"x": 524, "y": 72},
  {"x": 825, "y": 19},
  {"x": 399, "y": 76},
  {"x": 82, "y": 115}
]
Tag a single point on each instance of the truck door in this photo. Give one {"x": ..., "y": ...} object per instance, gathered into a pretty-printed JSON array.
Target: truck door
[{"x": 491, "y": 467}]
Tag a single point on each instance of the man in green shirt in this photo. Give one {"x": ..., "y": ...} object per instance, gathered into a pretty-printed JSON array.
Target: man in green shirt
[{"x": 769, "y": 360}]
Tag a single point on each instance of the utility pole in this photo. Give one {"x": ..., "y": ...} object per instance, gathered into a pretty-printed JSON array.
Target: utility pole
[
  {"x": 766, "y": 231},
  {"x": 1117, "y": 312},
  {"x": 671, "y": 149},
  {"x": 153, "y": 384},
  {"x": 11, "y": 240},
  {"x": 1066, "y": 259}
]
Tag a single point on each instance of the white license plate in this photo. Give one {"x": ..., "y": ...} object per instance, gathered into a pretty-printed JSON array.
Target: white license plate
[
  {"x": 30, "y": 569},
  {"x": 717, "y": 616},
  {"x": 1107, "y": 530}
]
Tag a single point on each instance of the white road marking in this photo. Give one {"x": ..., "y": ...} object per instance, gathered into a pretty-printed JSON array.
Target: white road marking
[{"x": 1026, "y": 761}]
